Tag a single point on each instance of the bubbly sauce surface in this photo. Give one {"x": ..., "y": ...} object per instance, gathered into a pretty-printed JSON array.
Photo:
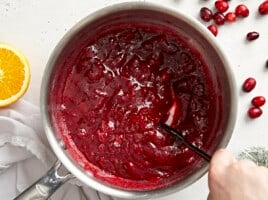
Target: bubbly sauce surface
[{"x": 116, "y": 92}]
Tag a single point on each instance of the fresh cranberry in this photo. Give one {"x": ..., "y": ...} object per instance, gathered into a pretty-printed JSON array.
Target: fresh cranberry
[
  {"x": 252, "y": 35},
  {"x": 94, "y": 71},
  {"x": 254, "y": 112},
  {"x": 263, "y": 8},
  {"x": 241, "y": 10},
  {"x": 249, "y": 84},
  {"x": 206, "y": 14},
  {"x": 221, "y": 5},
  {"x": 266, "y": 64},
  {"x": 219, "y": 18},
  {"x": 258, "y": 101},
  {"x": 213, "y": 29},
  {"x": 230, "y": 17}
]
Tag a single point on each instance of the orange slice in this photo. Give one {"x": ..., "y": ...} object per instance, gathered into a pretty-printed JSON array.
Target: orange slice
[{"x": 14, "y": 74}]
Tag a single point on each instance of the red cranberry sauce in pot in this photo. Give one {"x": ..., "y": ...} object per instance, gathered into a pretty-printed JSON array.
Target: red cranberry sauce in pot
[{"x": 111, "y": 98}]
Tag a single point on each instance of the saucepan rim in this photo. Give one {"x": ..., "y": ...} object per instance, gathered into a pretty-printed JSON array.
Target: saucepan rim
[{"x": 56, "y": 143}]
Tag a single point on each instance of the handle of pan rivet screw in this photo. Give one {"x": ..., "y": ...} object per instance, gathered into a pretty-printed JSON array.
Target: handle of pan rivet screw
[{"x": 45, "y": 186}]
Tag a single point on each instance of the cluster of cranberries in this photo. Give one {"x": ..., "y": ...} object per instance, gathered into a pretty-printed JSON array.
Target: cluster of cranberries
[
  {"x": 255, "y": 110},
  {"x": 220, "y": 16}
]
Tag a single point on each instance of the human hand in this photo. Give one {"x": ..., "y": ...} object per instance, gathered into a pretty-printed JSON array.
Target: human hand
[{"x": 230, "y": 179}]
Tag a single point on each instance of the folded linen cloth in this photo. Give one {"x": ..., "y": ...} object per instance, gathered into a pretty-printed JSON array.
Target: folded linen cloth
[{"x": 25, "y": 155}]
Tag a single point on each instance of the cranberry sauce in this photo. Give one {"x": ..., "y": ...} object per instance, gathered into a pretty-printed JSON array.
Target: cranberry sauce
[{"x": 116, "y": 92}]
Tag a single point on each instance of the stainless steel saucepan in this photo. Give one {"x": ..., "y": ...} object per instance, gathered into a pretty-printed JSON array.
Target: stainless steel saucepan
[{"x": 191, "y": 30}]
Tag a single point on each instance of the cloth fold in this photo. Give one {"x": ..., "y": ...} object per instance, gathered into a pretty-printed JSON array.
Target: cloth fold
[{"x": 25, "y": 155}]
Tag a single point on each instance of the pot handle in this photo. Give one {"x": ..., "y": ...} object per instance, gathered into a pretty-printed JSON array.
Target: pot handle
[{"x": 45, "y": 186}]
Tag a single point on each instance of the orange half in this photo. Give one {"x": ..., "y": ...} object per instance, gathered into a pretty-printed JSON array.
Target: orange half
[{"x": 14, "y": 74}]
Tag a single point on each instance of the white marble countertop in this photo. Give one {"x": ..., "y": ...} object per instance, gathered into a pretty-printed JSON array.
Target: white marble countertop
[{"x": 35, "y": 26}]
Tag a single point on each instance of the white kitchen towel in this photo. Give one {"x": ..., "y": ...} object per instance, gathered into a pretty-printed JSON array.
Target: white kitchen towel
[{"x": 25, "y": 155}]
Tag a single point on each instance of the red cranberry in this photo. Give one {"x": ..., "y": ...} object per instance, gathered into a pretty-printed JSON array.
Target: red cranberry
[
  {"x": 254, "y": 112},
  {"x": 206, "y": 14},
  {"x": 221, "y": 5},
  {"x": 258, "y": 101},
  {"x": 252, "y": 35},
  {"x": 266, "y": 64},
  {"x": 213, "y": 29},
  {"x": 263, "y": 8},
  {"x": 219, "y": 18},
  {"x": 241, "y": 10},
  {"x": 230, "y": 17},
  {"x": 249, "y": 84}
]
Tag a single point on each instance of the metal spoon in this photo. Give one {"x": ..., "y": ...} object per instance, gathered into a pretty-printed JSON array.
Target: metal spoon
[{"x": 195, "y": 149}]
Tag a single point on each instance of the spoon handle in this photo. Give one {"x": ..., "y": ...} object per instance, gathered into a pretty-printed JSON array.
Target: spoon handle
[{"x": 195, "y": 149}]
